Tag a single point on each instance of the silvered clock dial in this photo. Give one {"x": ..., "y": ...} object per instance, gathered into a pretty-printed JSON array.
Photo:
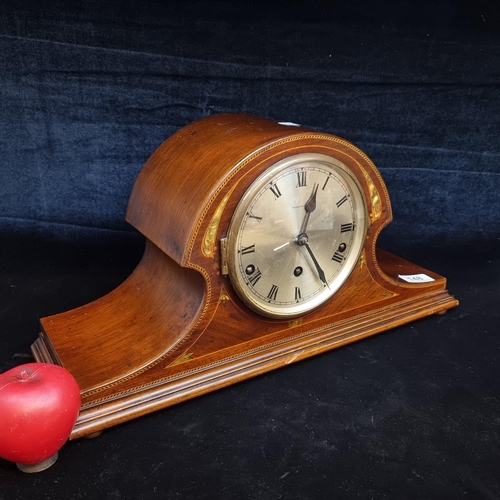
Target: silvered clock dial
[{"x": 296, "y": 235}]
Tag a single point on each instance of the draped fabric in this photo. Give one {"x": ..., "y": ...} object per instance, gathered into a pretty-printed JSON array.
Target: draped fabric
[{"x": 89, "y": 90}]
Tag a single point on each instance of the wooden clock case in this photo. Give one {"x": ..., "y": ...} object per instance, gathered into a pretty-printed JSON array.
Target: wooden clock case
[{"x": 175, "y": 328}]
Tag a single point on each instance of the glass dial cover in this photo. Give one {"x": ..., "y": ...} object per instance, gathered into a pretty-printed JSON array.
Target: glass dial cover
[{"x": 296, "y": 235}]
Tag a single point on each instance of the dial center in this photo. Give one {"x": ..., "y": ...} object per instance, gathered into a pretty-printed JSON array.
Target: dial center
[{"x": 302, "y": 239}]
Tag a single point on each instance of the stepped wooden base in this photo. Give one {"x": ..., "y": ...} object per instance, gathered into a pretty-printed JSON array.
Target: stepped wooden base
[{"x": 225, "y": 351}]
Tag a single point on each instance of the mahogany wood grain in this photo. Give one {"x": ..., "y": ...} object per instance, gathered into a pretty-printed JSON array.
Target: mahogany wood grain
[{"x": 176, "y": 329}]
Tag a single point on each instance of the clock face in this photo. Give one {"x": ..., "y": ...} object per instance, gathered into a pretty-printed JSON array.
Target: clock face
[{"x": 296, "y": 235}]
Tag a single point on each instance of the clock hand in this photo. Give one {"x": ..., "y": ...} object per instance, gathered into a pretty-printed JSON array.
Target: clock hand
[
  {"x": 309, "y": 207},
  {"x": 281, "y": 246},
  {"x": 303, "y": 240}
]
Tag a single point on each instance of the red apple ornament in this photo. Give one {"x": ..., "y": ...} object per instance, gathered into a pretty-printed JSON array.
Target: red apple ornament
[{"x": 39, "y": 405}]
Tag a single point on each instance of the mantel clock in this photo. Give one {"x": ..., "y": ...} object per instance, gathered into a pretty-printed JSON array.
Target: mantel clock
[{"x": 260, "y": 251}]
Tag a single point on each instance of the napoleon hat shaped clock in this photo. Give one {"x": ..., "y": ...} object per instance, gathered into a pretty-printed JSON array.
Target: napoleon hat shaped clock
[{"x": 260, "y": 251}]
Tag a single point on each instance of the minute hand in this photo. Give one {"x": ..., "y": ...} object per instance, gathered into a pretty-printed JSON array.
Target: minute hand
[{"x": 303, "y": 241}]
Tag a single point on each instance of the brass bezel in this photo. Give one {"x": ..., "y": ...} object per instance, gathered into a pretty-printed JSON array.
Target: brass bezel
[{"x": 230, "y": 263}]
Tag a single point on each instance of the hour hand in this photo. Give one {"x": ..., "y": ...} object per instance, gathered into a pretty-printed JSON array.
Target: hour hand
[{"x": 309, "y": 207}]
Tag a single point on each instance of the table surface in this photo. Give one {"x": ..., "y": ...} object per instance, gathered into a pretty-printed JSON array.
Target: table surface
[{"x": 409, "y": 413}]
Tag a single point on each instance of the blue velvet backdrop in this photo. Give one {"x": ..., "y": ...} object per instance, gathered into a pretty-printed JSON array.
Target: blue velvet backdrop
[{"x": 89, "y": 89}]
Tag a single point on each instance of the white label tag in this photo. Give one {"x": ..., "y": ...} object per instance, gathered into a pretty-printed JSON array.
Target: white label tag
[{"x": 416, "y": 278}]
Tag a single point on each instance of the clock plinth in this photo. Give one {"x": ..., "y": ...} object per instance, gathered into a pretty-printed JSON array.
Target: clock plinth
[{"x": 176, "y": 328}]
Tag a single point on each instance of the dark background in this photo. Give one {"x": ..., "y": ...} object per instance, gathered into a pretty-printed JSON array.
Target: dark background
[{"x": 88, "y": 90}]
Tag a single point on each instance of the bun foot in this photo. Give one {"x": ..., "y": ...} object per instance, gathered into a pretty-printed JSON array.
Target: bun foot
[
  {"x": 39, "y": 466},
  {"x": 93, "y": 435}
]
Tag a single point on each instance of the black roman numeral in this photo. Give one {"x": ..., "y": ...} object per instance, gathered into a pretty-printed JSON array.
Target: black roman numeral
[
  {"x": 341, "y": 201},
  {"x": 298, "y": 296},
  {"x": 301, "y": 179},
  {"x": 252, "y": 216},
  {"x": 275, "y": 190},
  {"x": 338, "y": 257},
  {"x": 273, "y": 293},
  {"x": 345, "y": 228},
  {"x": 246, "y": 250},
  {"x": 326, "y": 182},
  {"x": 255, "y": 277}
]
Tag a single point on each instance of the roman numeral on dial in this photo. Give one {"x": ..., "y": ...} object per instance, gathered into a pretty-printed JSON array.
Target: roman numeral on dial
[
  {"x": 255, "y": 277},
  {"x": 273, "y": 293},
  {"x": 345, "y": 228},
  {"x": 301, "y": 179},
  {"x": 275, "y": 190},
  {"x": 338, "y": 257},
  {"x": 298, "y": 296},
  {"x": 252, "y": 216},
  {"x": 341, "y": 201},
  {"x": 247, "y": 250}
]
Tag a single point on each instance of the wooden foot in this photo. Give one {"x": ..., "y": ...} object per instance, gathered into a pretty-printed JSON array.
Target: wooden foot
[
  {"x": 93, "y": 435},
  {"x": 40, "y": 466}
]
